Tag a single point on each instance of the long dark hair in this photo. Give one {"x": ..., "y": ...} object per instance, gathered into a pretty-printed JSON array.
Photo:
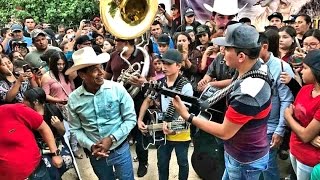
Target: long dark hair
[
  {"x": 3, "y": 77},
  {"x": 184, "y": 34},
  {"x": 53, "y": 65},
  {"x": 35, "y": 94},
  {"x": 292, "y": 32},
  {"x": 312, "y": 32}
]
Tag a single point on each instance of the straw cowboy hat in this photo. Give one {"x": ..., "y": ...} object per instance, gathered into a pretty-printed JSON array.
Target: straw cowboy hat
[
  {"x": 224, "y": 7},
  {"x": 86, "y": 57}
]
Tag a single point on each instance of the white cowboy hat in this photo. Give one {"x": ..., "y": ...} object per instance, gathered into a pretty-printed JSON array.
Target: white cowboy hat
[
  {"x": 86, "y": 57},
  {"x": 224, "y": 7}
]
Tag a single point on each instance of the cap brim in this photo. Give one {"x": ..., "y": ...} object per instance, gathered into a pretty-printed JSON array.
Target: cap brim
[
  {"x": 189, "y": 14},
  {"x": 270, "y": 17},
  {"x": 221, "y": 41},
  {"x": 201, "y": 33},
  {"x": 289, "y": 21},
  {"x": 16, "y": 30},
  {"x": 100, "y": 59},
  {"x": 163, "y": 43},
  {"x": 168, "y": 61}
]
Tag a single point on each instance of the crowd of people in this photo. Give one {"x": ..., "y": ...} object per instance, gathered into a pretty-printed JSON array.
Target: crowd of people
[{"x": 59, "y": 92}]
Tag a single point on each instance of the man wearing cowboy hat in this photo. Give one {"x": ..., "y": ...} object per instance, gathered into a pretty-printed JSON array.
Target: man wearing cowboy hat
[
  {"x": 222, "y": 13},
  {"x": 102, "y": 115}
]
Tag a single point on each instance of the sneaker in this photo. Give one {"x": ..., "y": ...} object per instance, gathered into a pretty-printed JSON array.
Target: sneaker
[
  {"x": 135, "y": 159},
  {"x": 142, "y": 170}
]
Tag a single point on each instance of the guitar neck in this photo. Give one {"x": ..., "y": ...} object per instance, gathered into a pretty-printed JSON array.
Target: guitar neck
[
  {"x": 155, "y": 127},
  {"x": 176, "y": 126}
]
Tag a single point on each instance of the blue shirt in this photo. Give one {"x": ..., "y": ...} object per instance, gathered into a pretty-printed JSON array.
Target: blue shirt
[
  {"x": 24, "y": 39},
  {"x": 95, "y": 116},
  {"x": 281, "y": 95},
  {"x": 155, "y": 46}
]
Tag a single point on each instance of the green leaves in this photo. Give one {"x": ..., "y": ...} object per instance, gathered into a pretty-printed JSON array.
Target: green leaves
[{"x": 49, "y": 11}]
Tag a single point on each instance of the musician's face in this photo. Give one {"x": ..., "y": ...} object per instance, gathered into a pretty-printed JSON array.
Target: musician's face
[
  {"x": 170, "y": 69},
  {"x": 230, "y": 57}
]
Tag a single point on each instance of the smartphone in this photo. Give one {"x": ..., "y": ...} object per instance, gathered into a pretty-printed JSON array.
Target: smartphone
[
  {"x": 26, "y": 67},
  {"x": 282, "y": 69},
  {"x": 299, "y": 46},
  {"x": 210, "y": 44},
  {"x": 35, "y": 70},
  {"x": 180, "y": 48}
]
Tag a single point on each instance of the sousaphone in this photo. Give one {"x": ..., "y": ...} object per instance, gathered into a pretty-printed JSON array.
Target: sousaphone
[{"x": 128, "y": 19}]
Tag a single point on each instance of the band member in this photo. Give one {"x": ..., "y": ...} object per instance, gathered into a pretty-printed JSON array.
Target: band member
[
  {"x": 244, "y": 129},
  {"x": 113, "y": 71},
  {"x": 172, "y": 60},
  {"x": 102, "y": 115}
]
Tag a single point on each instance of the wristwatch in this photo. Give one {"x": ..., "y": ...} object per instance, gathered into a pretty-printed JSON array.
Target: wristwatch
[
  {"x": 190, "y": 118},
  {"x": 57, "y": 153},
  {"x": 113, "y": 139}
]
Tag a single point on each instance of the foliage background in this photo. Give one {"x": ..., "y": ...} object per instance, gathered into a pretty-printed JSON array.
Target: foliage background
[{"x": 55, "y": 12}]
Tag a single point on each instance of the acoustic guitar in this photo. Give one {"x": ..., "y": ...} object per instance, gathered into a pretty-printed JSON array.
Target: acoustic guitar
[{"x": 154, "y": 120}]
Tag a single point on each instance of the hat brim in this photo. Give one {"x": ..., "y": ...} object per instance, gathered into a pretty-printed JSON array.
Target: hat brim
[
  {"x": 289, "y": 21},
  {"x": 274, "y": 16},
  {"x": 224, "y": 11},
  {"x": 201, "y": 33},
  {"x": 189, "y": 14},
  {"x": 221, "y": 41},
  {"x": 169, "y": 61},
  {"x": 16, "y": 30},
  {"x": 100, "y": 59}
]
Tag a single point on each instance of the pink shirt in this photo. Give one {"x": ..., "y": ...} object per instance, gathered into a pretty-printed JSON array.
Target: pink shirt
[{"x": 54, "y": 88}]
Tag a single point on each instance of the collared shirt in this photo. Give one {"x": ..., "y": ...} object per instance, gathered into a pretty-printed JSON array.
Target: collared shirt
[
  {"x": 110, "y": 111},
  {"x": 281, "y": 96}
]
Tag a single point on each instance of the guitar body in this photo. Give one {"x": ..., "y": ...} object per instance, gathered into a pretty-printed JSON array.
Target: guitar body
[
  {"x": 208, "y": 156},
  {"x": 154, "y": 122},
  {"x": 155, "y": 138}
]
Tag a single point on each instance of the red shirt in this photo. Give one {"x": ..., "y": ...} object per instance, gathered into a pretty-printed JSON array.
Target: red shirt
[
  {"x": 19, "y": 152},
  {"x": 306, "y": 109}
]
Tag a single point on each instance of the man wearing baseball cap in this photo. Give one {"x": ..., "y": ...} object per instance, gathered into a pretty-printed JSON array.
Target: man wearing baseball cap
[
  {"x": 275, "y": 19},
  {"x": 17, "y": 34},
  {"x": 244, "y": 129},
  {"x": 40, "y": 41}
]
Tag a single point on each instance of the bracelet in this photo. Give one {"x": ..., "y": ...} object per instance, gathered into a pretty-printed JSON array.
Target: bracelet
[{"x": 190, "y": 118}]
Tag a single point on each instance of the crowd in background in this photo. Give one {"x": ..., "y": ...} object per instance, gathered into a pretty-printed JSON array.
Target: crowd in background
[{"x": 35, "y": 57}]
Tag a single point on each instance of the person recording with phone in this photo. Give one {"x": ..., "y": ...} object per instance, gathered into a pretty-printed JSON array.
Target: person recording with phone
[{"x": 14, "y": 82}]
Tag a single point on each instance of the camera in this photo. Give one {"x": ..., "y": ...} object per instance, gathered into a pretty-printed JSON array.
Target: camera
[
  {"x": 19, "y": 44},
  {"x": 26, "y": 68},
  {"x": 210, "y": 44}
]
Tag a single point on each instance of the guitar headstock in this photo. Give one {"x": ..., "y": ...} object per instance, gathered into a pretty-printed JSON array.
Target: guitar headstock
[{"x": 151, "y": 88}]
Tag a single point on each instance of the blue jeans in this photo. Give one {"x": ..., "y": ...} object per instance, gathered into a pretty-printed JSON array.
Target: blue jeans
[
  {"x": 41, "y": 173},
  {"x": 164, "y": 156},
  {"x": 273, "y": 171},
  {"x": 236, "y": 170},
  {"x": 302, "y": 171},
  {"x": 119, "y": 159}
]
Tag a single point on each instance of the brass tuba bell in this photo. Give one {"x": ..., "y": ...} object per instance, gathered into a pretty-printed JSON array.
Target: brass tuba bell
[{"x": 128, "y": 19}]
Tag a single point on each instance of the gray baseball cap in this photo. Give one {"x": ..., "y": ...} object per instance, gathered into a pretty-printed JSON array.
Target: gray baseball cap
[
  {"x": 172, "y": 56},
  {"x": 240, "y": 36}
]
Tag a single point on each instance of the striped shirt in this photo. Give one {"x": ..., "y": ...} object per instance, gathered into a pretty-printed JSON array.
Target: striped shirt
[{"x": 249, "y": 104}]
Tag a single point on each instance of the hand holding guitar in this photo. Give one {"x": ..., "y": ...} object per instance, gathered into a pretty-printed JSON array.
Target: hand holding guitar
[
  {"x": 166, "y": 130},
  {"x": 142, "y": 127}
]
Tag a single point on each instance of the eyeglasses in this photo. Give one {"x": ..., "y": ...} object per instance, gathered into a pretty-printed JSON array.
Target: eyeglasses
[{"x": 312, "y": 45}]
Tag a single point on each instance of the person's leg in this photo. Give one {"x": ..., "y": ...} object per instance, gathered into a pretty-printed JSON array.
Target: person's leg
[
  {"x": 303, "y": 171},
  {"x": 254, "y": 169},
  {"x": 181, "y": 149},
  {"x": 273, "y": 170},
  {"x": 142, "y": 155},
  {"x": 101, "y": 168},
  {"x": 41, "y": 172},
  {"x": 164, "y": 156},
  {"x": 293, "y": 163},
  {"x": 249, "y": 171},
  {"x": 121, "y": 160}
]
